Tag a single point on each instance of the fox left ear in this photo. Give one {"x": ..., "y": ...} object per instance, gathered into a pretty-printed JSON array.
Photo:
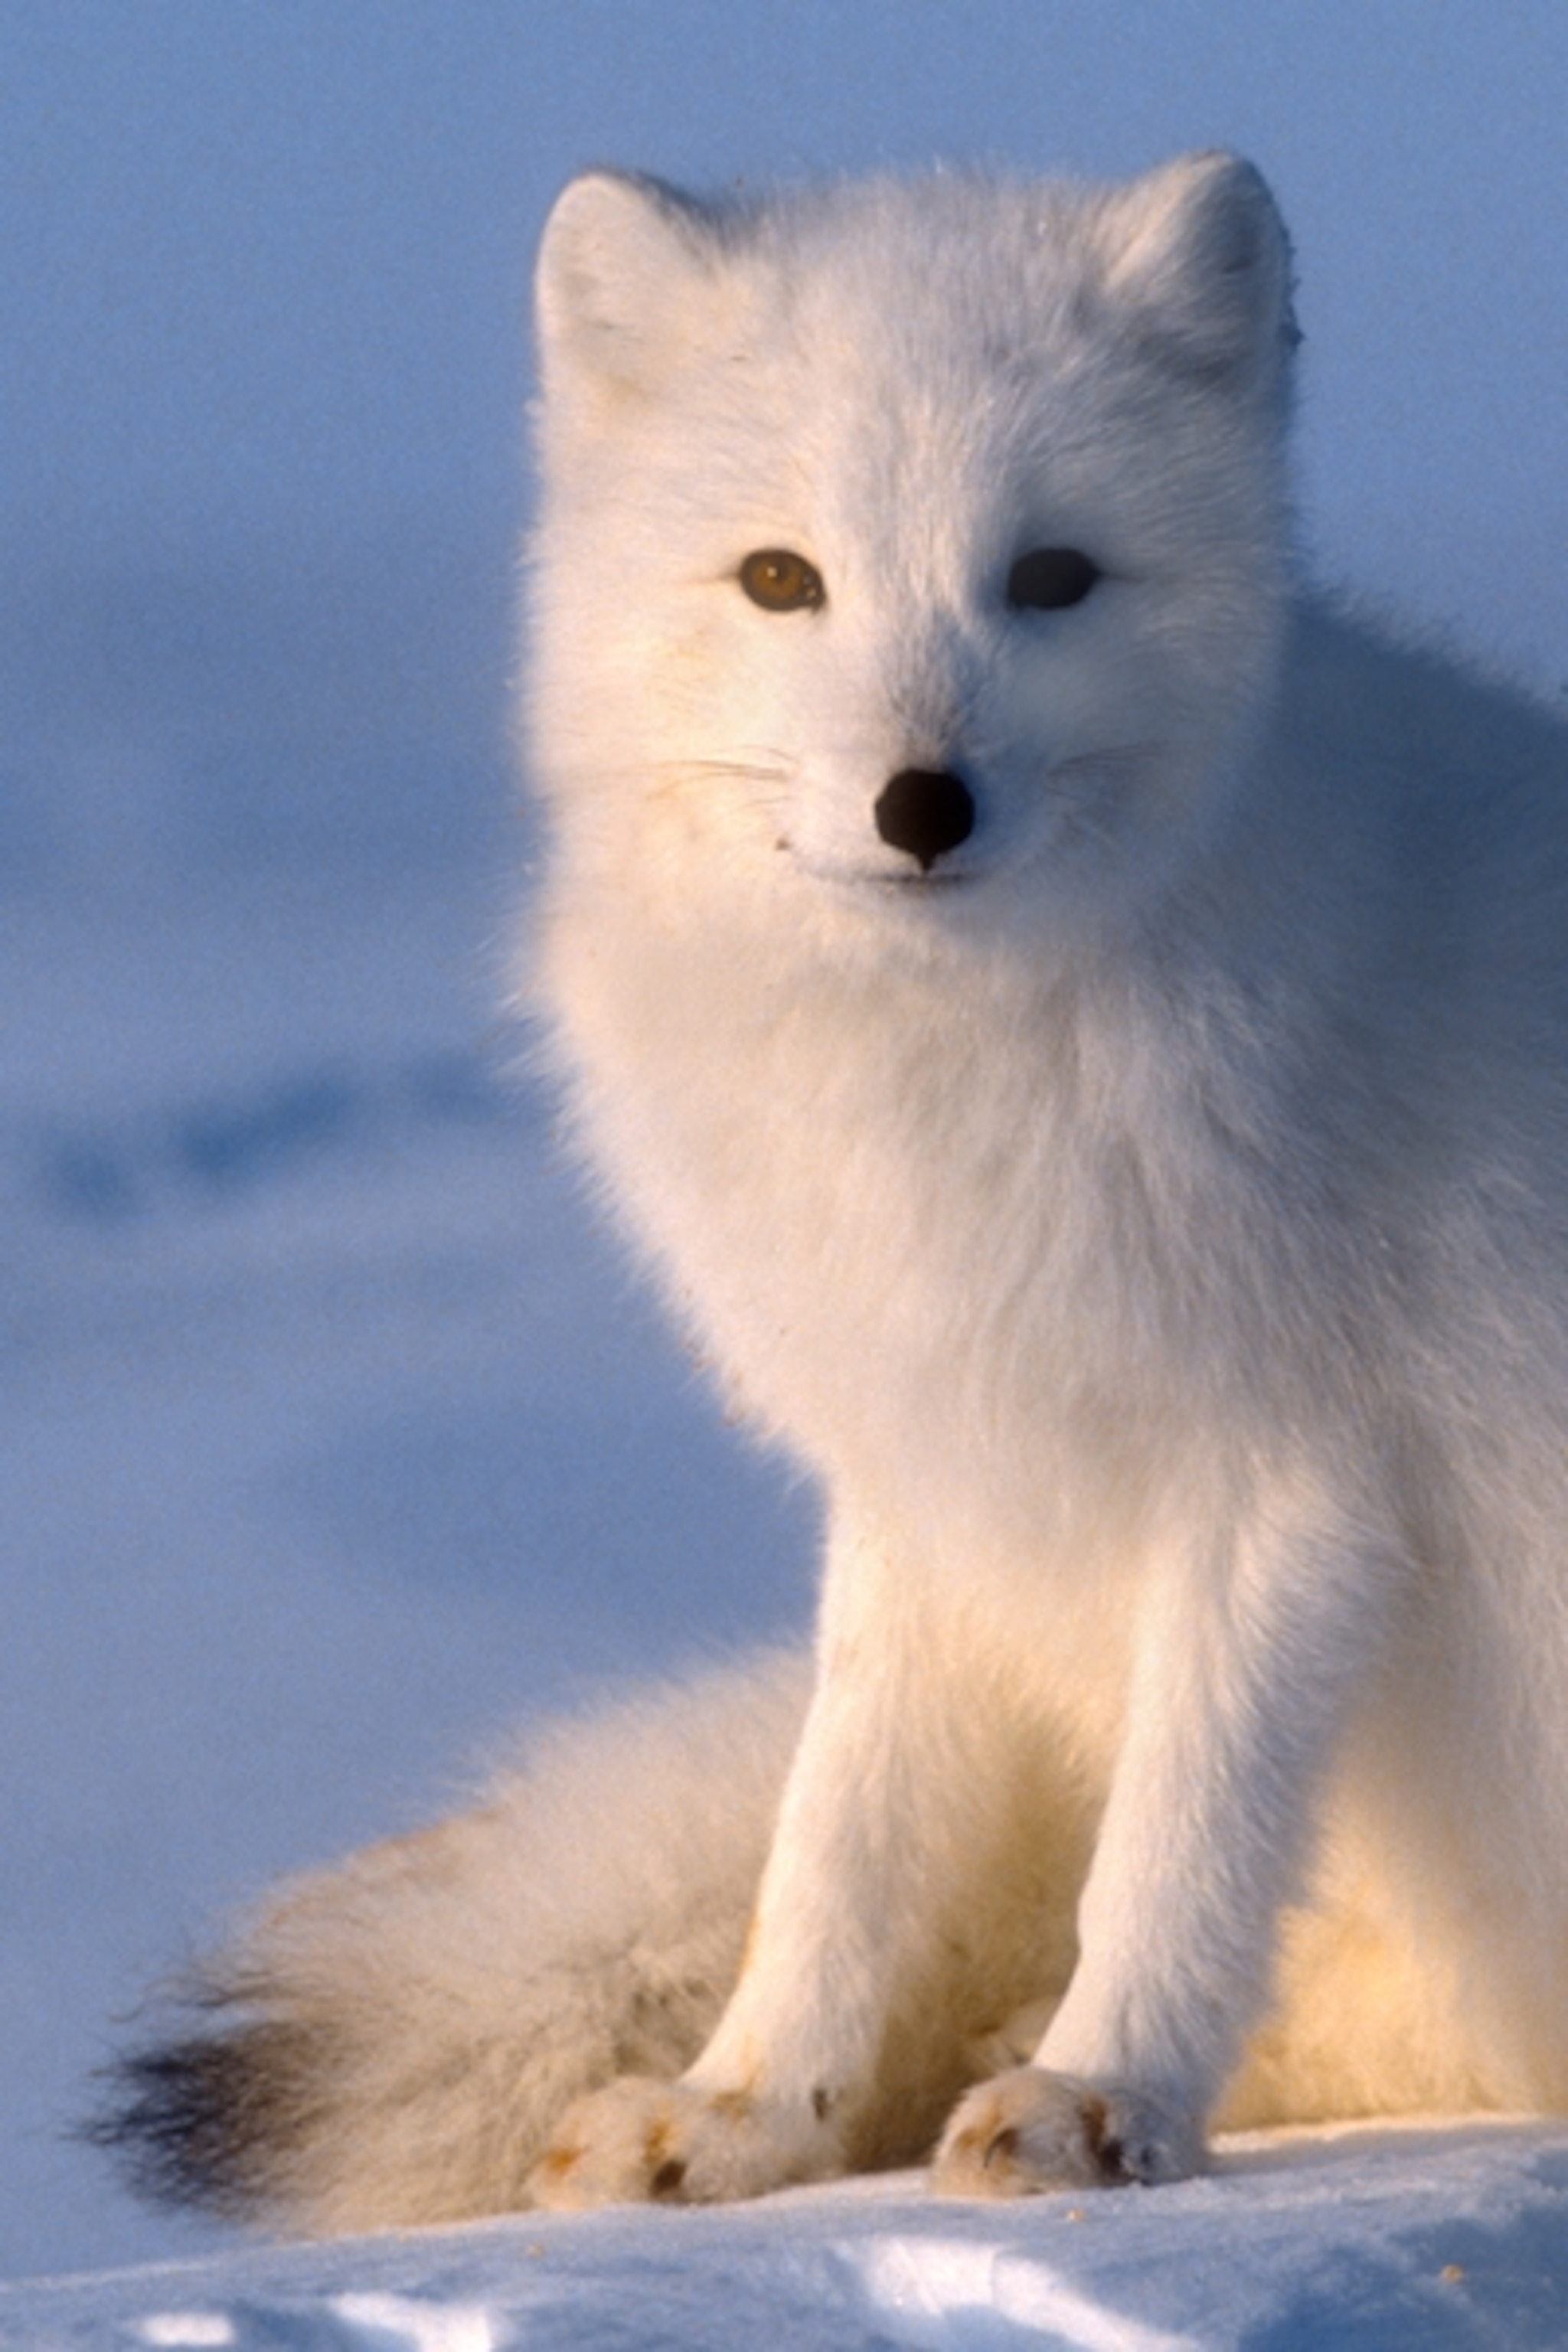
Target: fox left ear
[
  {"x": 1201, "y": 254},
  {"x": 625, "y": 267}
]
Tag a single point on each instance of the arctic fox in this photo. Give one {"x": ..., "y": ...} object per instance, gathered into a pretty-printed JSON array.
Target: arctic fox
[{"x": 1080, "y": 1029}]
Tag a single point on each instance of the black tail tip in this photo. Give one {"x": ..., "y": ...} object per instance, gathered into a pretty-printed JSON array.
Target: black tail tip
[{"x": 206, "y": 2121}]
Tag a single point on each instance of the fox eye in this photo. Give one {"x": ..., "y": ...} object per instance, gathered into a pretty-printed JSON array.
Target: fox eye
[
  {"x": 1049, "y": 579},
  {"x": 781, "y": 581}
]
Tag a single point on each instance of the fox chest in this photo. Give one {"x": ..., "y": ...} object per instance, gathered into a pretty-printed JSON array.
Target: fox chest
[{"x": 905, "y": 1254}]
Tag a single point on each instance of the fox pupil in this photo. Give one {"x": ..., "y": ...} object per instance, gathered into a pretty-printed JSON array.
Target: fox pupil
[{"x": 1050, "y": 578}]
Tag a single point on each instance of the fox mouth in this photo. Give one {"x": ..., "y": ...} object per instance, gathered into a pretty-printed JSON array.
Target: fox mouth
[
  {"x": 880, "y": 882},
  {"x": 967, "y": 864},
  {"x": 919, "y": 886}
]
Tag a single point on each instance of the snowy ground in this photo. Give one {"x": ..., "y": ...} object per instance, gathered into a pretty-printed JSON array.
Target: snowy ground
[{"x": 1361, "y": 2242}]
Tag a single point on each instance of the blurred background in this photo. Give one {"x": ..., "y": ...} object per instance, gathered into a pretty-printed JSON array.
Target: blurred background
[{"x": 331, "y": 1436}]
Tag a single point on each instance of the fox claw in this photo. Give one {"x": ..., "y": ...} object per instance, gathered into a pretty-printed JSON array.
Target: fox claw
[
  {"x": 1029, "y": 2130},
  {"x": 638, "y": 2141}
]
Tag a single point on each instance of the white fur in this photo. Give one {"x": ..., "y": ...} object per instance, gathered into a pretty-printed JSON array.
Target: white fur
[{"x": 1151, "y": 1227}]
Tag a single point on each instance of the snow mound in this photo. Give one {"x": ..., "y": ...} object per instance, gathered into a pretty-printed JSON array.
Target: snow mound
[{"x": 1390, "y": 2238}]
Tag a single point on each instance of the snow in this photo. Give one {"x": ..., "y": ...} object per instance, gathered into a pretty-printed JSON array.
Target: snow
[
  {"x": 332, "y": 1437},
  {"x": 1416, "y": 2238}
]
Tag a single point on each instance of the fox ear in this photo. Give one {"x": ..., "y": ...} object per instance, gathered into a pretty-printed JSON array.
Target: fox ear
[
  {"x": 1201, "y": 255},
  {"x": 623, "y": 267}
]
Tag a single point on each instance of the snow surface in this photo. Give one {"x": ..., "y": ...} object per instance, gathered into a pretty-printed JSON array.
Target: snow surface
[
  {"x": 1366, "y": 2242},
  {"x": 333, "y": 1439}
]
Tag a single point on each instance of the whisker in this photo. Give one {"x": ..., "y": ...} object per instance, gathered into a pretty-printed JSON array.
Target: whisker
[{"x": 765, "y": 775}]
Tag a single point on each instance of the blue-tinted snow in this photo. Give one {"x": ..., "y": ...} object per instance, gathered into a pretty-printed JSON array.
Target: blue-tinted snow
[{"x": 1379, "y": 2241}]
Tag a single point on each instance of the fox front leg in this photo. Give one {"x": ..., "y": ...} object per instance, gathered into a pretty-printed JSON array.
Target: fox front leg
[
  {"x": 767, "y": 2101},
  {"x": 1246, "y": 1663}
]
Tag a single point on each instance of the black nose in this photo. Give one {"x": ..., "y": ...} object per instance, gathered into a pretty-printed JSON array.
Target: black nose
[{"x": 926, "y": 811}]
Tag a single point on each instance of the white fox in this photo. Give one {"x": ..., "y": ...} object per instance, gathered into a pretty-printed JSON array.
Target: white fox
[{"x": 1079, "y": 1028}]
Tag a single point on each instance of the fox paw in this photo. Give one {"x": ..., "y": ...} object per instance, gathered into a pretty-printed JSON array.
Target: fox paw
[
  {"x": 1029, "y": 2130},
  {"x": 643, "y": 2142}
]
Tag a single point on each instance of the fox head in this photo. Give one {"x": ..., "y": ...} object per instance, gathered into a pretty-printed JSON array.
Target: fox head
[{"x": 913, "y": 544}]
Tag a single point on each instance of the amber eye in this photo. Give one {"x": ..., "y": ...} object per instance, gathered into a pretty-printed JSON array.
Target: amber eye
[
  {"x": 1049, "y": 579},
  {"x": 781, "y": 581}
]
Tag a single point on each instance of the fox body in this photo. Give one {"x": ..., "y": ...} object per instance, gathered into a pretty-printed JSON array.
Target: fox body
[{"x": 1078, "y": 1026}]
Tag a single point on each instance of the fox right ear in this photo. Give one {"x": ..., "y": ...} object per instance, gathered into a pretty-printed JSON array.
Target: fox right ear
[
  {"x": 1202, "y": 259},
  {"x": 623, "y": 270}
]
